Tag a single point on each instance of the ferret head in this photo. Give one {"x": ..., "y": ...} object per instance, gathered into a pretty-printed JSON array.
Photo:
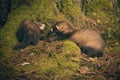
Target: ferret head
[
  {"x": 41, "y": 25},
  {"x": 63, "y": 27}
]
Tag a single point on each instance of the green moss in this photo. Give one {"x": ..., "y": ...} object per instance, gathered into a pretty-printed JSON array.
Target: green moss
[
  {"x": 71, "y": 50},
  {"x": 116, "y": 50},
  {"x": 71, "y": 55},
  {"x": 101, "y": 10},
  {"x": 98, "y": 5},
  {"x": 54, "y": 61},
  {"x": 71, "y": 10}
]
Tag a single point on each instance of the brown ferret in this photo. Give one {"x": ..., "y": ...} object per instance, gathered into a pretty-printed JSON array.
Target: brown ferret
[{"x": 29, "y": 32}]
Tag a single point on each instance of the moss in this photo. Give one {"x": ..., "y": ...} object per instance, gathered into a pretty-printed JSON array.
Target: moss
[
  {"x": 100, "y": 10},
  {"x": 116, "y": 50},
  {"x": 60, "y": 57},
  {"x": 71, "y": 10},
  {"x": 71, "y": 50},
  {"x": 98, "y": 5},
  {"x": 8, "y": 32}
]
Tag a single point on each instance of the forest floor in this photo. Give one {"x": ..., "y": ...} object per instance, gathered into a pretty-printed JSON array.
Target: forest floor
[{"x": 28, "y": 64}]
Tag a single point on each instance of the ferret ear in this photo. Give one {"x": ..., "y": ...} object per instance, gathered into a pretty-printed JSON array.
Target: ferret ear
[
  {"x": 42, "y": 26},
  {"x": 58, "y": 28}
]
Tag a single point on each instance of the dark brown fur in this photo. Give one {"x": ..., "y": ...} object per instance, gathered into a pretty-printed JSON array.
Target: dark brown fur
[
  {"x": 29, "y": 32},
  {"x": 88, "y": 40}
]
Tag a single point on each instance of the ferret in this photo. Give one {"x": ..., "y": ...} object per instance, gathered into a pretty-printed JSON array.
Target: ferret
[
  {"x": 89, "y": 40},
  {"x": 29, "y": 32}
]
